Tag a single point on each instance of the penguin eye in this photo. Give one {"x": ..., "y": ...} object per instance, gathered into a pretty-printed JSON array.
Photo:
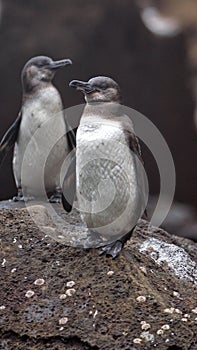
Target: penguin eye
[
  {"x": 98, "y": 89},
  {"x": 42, "y": 64},
  {"x": 101, "y": 87}
]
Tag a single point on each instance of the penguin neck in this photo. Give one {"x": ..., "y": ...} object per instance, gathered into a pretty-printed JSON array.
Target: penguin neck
[
  {"x": 106, "y": 110},
  {"x": 30, "y": 91}
]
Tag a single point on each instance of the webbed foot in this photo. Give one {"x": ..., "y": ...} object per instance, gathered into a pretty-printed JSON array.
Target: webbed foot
[
  {"x": 21, "y": 198},
  {"x": 56, "y": 197},
  {"x": 112, "y": 249}
]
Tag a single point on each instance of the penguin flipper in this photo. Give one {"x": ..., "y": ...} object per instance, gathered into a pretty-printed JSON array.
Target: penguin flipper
[
  {"x": 135, "y": 147},
  {"x": 10, "y": 137},
  {"x": 69, "y": 185},
  {"x": 70, "y": 134},
  {"x": 71, "y": 137}
]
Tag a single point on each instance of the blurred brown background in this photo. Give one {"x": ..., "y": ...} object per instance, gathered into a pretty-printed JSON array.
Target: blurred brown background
[{"x": 156, "y": 70}]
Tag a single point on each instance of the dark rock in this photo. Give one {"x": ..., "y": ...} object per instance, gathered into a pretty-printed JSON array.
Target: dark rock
[{"x": 153, "y": 281}]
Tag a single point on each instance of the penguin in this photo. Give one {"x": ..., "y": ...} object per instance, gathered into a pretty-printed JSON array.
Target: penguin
[
  {"x": 41, "y": 103},
  {"x": 109, "y": 179}
]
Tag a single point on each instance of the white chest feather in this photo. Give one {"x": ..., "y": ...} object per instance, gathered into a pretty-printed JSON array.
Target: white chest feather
[
  {"x": 41, "y": 136},
  {"x": 38, "y": 110},
  {"x": 107, "y": 187}
]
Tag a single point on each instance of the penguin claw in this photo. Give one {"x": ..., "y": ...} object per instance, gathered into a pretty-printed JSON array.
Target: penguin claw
[
  {"x": 55, "y": 198},
  {"x": 18, "y": 199},
  {"x": 112, "y": 249}
]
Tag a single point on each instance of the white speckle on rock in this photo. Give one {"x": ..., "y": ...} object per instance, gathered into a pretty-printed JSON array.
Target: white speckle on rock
[
  {"x": 143, "y": 269},
  {"x": 70, "y": 284},
  {"x": 61, "y": 329},
  {"x": 63, "y": 296},
  {"x": 160, "y": 332},
  {"x": 137, "y": 341},
  {"x": 165, "y": 327},
  {"x": 62, "y": 238},
  {"x": 95, "y": 314},
  {"x": 110, "y": 273},
  {"x": 178, "y": 311},
  {"x": 154, "y": 255},
  {"x": 194, "y": 310},
  {"x": 70, "y": 292},
  {"x": 186, "y": 315},
  {"x": 169, "y": 310},
  {"x": 90, "y": 312},
  {"x": 2, "y": 307},
  {"x": 184, "y": 319},
  {"x": 63, "y": 320},
  {"x": 29, "y": 293},
  {"x": 141, "y": 299},
  {"x": 14, "y": 240},
  {"x": 124, "y": 333},
  {"x": 145, "y": 326},
  {"x": 147, "y": 337},
  {"x": 3, "y": 262},
  {"x": 176, "y": 294},
  {"x": 176, "y": 257},
  {"x": 13, "y": 270},
  {"x": 39, "y": 282},
  {"x": 20, "y": 246}
]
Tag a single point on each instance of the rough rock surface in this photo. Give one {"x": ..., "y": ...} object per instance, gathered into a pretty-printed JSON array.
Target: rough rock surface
[{"x": 134, "y": 302}]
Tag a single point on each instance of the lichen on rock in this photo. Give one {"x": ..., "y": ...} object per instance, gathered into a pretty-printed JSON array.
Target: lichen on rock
[{"x": 175, "y": 257}]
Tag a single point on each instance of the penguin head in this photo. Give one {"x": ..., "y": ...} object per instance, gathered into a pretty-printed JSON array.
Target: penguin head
[
  {"x": 40, "y": 70},
  {"x": 98, "y": 89}
]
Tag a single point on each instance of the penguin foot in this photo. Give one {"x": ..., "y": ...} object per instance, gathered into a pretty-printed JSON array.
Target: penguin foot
[
  {"x": 113, "y": 249},
  {"x": 56, "y": 197},
  {"x": 20, "y": 198}
]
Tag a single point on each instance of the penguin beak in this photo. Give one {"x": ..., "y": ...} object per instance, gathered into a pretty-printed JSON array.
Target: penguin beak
[
  {"x": 82, "y": 86},
  {"x": 59, "y": 64}
]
